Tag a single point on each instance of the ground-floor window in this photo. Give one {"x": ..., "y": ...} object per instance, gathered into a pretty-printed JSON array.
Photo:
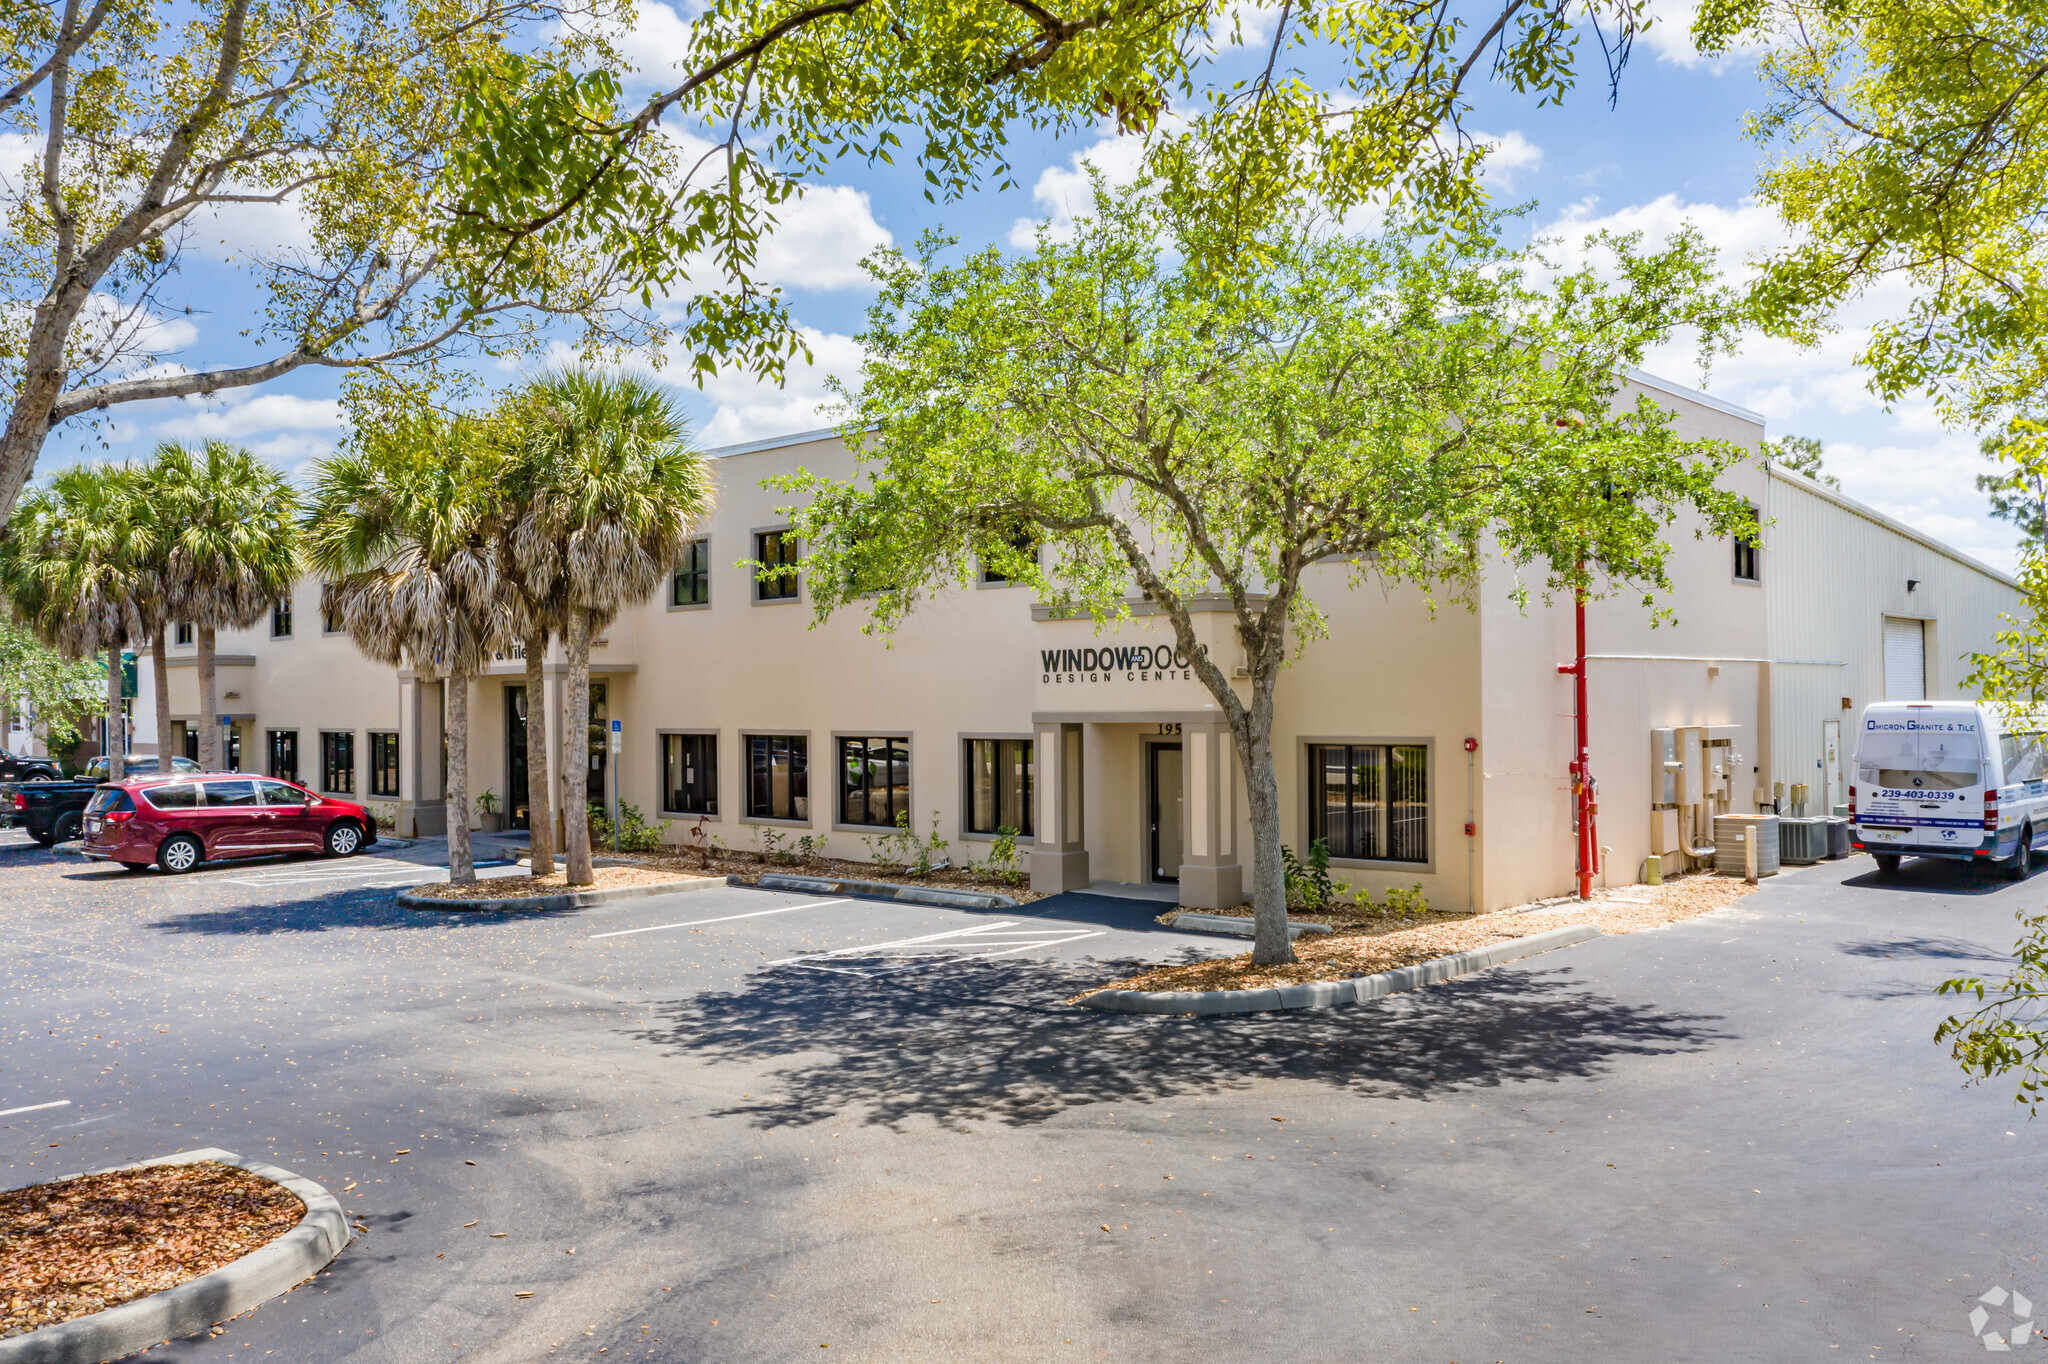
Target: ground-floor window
[
  {"x": 874, "y": 780},
  {"x": 338, "y": 761},
  {"x": 383, "y": 763},
  {"x": 778, "y": 776},
  {"x": 284, "y": 754},
  {"x": 999, "y": 786},
  {"x": 1370, "y": 801},
  {"x": 689, "y": 774}
]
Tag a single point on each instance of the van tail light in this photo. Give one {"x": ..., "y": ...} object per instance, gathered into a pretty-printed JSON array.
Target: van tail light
[
  {"x": 1991, "y": 811},
  {"x": 1852, "y": 803},
  {"x": 20, "y": 801},
  {"x": 118, "y": 816}
]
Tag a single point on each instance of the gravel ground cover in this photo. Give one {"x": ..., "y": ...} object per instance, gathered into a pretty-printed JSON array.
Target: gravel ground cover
[
  {"x": 1363, "y": 946},
  {"x": 514, "y": 887},
  {"x": 82, "y": 1245}
]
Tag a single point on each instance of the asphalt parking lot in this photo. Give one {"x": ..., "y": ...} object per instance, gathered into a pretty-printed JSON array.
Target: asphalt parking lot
[{"x": 741, "y": 1125}]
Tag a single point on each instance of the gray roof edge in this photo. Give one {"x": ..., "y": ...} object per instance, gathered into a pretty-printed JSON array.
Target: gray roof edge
[
  {"x": 772, "y": 442},
  {"x": 1872, "y": 514},
  {"x": 1677, "y": 390}
]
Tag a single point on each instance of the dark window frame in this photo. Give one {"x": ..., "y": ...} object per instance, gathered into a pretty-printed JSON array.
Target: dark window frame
[
  {"x": 338, "y": 758},
  {"x": 786, "y": 584},
  {"x": 846, "y": 791},
  {"x": 281, "y": 618},
  {"x": 271, "y": 749},
  {"x": 689, "y": 586},
  {"x": 1005, "y": 745},
  {"x": 184, "y": 634},
  {"x": 760, "y": 798},
  {"x": 1749, "y": 552},
  {"x": 1027, "y": 544},
  {"x": 383, "y": 764},
  {"x": 1402, "y": 824},
  {"x": 705, "y": 740}
]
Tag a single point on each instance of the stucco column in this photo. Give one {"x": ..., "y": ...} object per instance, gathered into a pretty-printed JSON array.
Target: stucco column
[
  {"x": 1059, "y": 861},
  {"x": 421, "y": 810},
  {"x": 1210, "y": 877}
]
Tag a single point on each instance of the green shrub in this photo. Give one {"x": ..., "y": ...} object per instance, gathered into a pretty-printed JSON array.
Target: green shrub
[{"x": 1308, "y": 884}]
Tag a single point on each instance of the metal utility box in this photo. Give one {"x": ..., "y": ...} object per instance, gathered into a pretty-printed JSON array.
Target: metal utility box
[
  {"x": 1664, "y": 768},
  {"x": 1800, "y": 839},
  {"x": 1664, "y": 833},
  {"x": 1731, "y": 835},
  {"x": 1838, "y": 835}
]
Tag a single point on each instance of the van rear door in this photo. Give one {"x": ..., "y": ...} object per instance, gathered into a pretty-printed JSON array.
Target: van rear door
[{"x": 1920, "y": 774}]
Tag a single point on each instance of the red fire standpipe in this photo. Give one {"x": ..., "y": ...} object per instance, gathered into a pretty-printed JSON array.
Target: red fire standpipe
[{"x": 1585, "y": 790}]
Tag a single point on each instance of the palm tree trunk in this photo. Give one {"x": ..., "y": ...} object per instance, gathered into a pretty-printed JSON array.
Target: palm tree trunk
[
  {"x": 540, "y": 820},
  {"x": 210, "y": 756},
  {"x": 576, "y": 755},
  {"x": 159, "y": 663},
  {"x": 461, "y": 866},
  {"x": 117, "y": 742}
]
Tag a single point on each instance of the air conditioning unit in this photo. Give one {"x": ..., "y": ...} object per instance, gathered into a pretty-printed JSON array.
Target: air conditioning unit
[
  {"x": 1731, "y": 835},
  {"x": 1802, "y": 840}
]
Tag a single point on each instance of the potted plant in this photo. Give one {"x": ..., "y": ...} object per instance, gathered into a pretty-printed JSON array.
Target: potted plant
[{"x": 488, "y": 814}]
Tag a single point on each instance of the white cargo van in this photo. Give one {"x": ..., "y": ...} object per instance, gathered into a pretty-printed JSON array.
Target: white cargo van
[{"x": 1948, "y": 779}]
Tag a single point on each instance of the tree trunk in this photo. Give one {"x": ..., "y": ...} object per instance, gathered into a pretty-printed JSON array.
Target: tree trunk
[
  {"x": 210, "y": 756},
  {"x": 461, "y": 866},
  {"x": 575, "y": 754},
  {"x": 117, "y": 742},
  {"x": 539, "y": 799},
  {"x": 1254, "y": 743},
  {"x": 159, "y": 663}
]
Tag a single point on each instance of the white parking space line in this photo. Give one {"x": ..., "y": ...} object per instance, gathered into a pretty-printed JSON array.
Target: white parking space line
[
  {"x": 298, "y": 876},
  {"x": 980, "y": 943},
  {"x": 721, "y": 919},
  {"x": 34, "y": 1108}
]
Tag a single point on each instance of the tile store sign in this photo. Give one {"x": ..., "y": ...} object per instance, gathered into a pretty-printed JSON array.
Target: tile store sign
[{"x": 1118, "y": 663}]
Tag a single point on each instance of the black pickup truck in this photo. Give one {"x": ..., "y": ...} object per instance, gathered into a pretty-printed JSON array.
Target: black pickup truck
[{"x": 51, "y": 811}]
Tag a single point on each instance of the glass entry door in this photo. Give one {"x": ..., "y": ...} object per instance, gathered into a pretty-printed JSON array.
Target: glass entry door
[
  {"x": 518, "y": 797},
  {"x": 598, "y": 743},
  {"x": 1163, "y": 788}
]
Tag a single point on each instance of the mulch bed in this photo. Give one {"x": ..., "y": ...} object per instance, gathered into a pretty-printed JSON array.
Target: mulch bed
[
  {"x": 513, "y": 887},
  {"x": 1364, "y": 946},
  {"x": 749, "y": 868},
  {"x": 82, "y": 1245}
]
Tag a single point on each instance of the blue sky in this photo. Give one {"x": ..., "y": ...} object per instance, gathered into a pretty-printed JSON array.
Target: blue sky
[{"x": 1670, "y": 149}]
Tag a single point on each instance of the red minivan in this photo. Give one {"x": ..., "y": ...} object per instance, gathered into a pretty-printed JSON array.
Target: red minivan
[{"x": 187, "y": 818}]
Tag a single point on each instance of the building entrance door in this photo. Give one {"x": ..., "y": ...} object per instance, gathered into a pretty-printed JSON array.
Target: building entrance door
[
  {"x": 518, "y": 796},
  {"x": 599, "y": 713},
  {"x": 1163, "y": 802}
]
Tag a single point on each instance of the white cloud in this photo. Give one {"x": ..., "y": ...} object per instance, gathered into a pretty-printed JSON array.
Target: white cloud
[
  {"x": 820, "y": 240},
  {"x": 238, "y": 232},
  {"x": 657, "y": 40},
  {"x": 1904, "y": 461},
  {"x": 1063, "y": 191},
  {"x": 1507, "y": 156},
  {"x": 249, "y": 416},
  {"x": 749, "y": 409},
  {"x": 1669, "y": 37}
]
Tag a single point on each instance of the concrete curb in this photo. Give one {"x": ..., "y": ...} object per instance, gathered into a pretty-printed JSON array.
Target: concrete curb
[
  {"x": 232, "y": 1289},
  {"x": 1188, "y": 922},
  {"x": 1326, "y": 993},
  {"x": 573, "y": 899},
  {"x": 916, "y": 895}
]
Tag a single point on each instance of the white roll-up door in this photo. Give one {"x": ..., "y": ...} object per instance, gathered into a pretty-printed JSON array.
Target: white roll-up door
[{"x": 1905, "y": 659}]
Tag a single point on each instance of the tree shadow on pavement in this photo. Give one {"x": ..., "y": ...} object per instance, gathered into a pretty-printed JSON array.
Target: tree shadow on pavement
[
  {"x": 1943, "y": 949},
  {"x": 987, "y": 1042},
  {"x": 361, "y": 907}
]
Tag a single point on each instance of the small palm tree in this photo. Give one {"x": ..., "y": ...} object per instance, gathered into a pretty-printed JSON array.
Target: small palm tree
[
  {"x": 74, "y": 563},
  {"x": 403, "y": 528},
  {"x": 233, "y": 549},
  {"x": 609, "y": 492}
]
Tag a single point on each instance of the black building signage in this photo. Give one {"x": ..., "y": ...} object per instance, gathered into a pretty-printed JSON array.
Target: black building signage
[{"x": 1140, "y": 663}]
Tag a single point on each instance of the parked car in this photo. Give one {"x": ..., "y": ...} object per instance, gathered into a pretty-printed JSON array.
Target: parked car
[
  {"x": 51, "y": 811},
  {"x": 20, "y": 767},
  {"x": 180, "y": 821},
  {"x": 137, "y": 766}
]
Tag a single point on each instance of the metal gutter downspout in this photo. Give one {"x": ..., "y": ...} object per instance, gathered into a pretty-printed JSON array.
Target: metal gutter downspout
[{"x": 1584, "y": 788}]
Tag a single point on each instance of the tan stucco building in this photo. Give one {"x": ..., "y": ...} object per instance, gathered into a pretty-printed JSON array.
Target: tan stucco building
[{"x": 1428, "y": 747}]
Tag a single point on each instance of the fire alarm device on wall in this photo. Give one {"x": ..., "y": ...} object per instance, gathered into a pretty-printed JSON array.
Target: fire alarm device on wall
[{"x": 1471, "y": 745}]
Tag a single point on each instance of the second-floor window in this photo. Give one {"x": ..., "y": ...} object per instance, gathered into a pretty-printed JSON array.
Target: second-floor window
[
  {"x": 183, "y": 634},
  {"x": 1746, "y": 553},
  {"x": 281, "y": 619},
  {"x": 692, "y": 586},
  {"x": 776, "y": 549}
]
